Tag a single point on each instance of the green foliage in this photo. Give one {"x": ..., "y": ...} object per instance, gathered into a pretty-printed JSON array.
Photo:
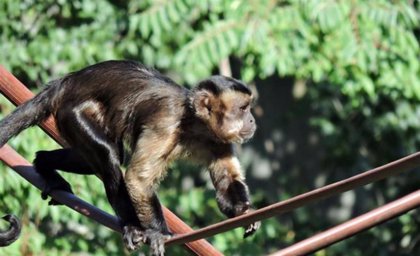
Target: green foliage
[{"x": 358, "y": 63}]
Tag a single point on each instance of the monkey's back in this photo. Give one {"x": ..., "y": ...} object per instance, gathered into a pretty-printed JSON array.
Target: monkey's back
[{"x": 121, "y": 96}]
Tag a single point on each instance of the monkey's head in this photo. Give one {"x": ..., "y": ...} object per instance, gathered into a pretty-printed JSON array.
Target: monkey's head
[{"x": 224, "y": 105}]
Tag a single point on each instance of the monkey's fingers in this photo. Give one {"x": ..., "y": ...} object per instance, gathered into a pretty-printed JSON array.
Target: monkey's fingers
[
  {"x": 252, "y": 228},
  {"x": 157, "y": 247}
]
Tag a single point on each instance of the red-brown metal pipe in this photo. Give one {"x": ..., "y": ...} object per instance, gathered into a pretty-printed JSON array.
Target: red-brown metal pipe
[
  {"x": 288, "y": 205},
  {"x": 353, "y": 227},
  {"x": 16, "y": 92},
  {"x": 15, "y": 161}
]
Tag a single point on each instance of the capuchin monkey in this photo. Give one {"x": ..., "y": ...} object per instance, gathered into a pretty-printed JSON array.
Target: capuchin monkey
[
  {"x": 112, "y": 107},
  {"x": 12, "y": 233}
]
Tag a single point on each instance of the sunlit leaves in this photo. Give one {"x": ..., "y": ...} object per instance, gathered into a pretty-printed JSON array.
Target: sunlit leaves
[
  {"x": 336, "y": 41},
  {"x": 207, "y": 49}
]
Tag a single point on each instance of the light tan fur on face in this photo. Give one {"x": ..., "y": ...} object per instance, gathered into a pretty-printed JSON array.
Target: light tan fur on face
[
  {"x": 231, "y": 123},
  {"x": 231, "y": 98},
  {"x": 233, "y": 131}
]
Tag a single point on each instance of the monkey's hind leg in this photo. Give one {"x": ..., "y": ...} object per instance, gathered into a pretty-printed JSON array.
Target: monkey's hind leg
[
  {"x": 103, "y": 156},
  {"x": 47, "y": 162},
  {"x": 68, "y": 160}
]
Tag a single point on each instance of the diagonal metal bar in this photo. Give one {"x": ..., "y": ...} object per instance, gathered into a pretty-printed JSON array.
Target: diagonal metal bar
[
  {"x": 393, "y": 168},
  {"x": 15, "y": 161},
  {"x": 17, "y": 93},
  {"x": 353, "y": 226}
]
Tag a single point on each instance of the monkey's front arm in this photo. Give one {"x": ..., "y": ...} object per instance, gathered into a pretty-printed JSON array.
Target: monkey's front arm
[
  {"x": 147, "y": 167},
  {"x": 232, "y": 193}
]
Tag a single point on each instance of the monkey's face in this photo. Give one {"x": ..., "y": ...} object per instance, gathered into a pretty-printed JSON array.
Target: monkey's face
[
  {"x": 224, "y": 104},
  {"x": 233, "y": 120}
]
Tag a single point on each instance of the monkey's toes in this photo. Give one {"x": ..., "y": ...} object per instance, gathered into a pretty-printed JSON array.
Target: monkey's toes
[
  {"x": 157, "y": 241},
  {"x": 133, "y": 237}
]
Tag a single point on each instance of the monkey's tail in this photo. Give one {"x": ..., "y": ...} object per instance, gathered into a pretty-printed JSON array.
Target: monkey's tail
[
  {"x": 12, "y": 234},
  {"x": 30, "y": 113}
]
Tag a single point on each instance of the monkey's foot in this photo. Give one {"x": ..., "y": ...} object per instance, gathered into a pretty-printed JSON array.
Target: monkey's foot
[
  {"x": 134, "y": 237},
  {"x": 55, "y": 185},
  {"x": 156, "y": 240}
]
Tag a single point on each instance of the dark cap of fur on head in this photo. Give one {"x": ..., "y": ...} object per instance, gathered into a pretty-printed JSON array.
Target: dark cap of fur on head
[{"x": 217, "y": 84}]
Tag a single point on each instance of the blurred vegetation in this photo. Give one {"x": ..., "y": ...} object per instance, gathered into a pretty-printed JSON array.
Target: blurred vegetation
[{"x": 339, "y": 92}]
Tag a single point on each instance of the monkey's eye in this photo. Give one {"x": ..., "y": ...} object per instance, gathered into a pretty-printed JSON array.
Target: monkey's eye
[{"x": 244, "y": 107}]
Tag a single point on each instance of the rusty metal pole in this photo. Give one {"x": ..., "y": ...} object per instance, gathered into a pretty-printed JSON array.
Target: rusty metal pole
[
  {"x": 393, "y": 168},
  {"x": 15, "y": 161},
  {"x": 354, "y": 226},
  {"x": 17, "y": 93}
]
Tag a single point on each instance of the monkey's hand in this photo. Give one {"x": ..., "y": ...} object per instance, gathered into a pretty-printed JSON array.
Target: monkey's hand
[
  {"x": 234, "y": 201},
  {"x": 134, "y": 237},
  {"x": 237, "y": 209},
  {"x": 244, "y": 208},
  {"x": 251, "y": 228}
]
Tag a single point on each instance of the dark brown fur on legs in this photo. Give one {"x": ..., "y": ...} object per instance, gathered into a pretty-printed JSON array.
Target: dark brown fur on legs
[{"x": 102, "y": 107}]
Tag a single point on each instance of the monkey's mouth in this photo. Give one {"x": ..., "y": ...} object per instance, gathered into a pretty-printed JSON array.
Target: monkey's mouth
[{"x": 247, "y": 134}]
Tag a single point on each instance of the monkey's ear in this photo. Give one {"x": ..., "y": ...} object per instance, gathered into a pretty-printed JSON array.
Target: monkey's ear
[{"x": 202, "y": 103}]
